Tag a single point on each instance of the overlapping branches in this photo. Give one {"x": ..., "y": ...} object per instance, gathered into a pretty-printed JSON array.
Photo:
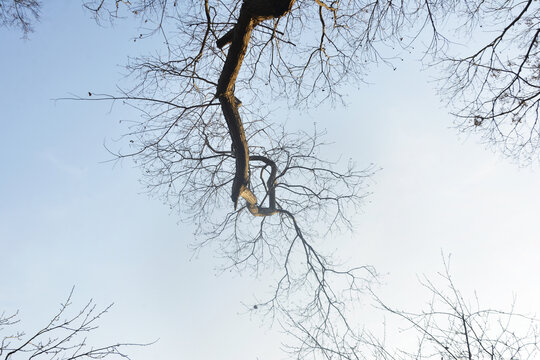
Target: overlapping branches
[
  {"x": 454, "y": 328},
  {"x": 64, "y": 337},
  {"x": 193, "y": 158},
  {"x": 19, "y": 14},
  {"x": 496, "y": 89},
  {"x": 204, "y": 138}
]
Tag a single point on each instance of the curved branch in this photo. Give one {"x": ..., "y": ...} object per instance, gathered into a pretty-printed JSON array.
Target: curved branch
[{"x": 251, "y": 13}]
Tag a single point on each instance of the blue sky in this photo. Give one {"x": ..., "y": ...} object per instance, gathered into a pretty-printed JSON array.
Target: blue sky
[{"x": 68, "y": 217}]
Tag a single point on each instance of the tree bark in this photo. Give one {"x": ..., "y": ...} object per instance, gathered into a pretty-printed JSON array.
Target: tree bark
[{"x": 252, "y": 13}]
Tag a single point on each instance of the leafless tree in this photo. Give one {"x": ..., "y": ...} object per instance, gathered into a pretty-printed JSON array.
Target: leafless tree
[
  {"x": 309, "y": 50},
  {"x": 63, "y": 338},
  {"x": 452, "y": 327},
  {"x": 283, "y": 190},
  {"x": 206, "y": 136},
  {"x": 495, "y": 88},
  {"x": 19, "y": 14}
]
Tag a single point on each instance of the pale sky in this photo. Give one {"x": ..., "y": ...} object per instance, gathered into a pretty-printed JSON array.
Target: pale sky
[{"x": 69, "y": 218}]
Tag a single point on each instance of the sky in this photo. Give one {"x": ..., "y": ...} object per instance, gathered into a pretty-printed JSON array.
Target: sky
[{"x": 68, "y": 217}]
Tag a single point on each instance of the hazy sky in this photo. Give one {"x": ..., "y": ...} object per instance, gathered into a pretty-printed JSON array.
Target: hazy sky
[{"x": 69, "y": 218}]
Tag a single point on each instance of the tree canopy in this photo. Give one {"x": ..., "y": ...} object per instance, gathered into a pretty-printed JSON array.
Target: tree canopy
[{"x": 205, "y": 139}]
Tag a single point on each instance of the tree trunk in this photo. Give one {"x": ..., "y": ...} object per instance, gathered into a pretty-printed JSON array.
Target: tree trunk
[{"x": 252, "y": 13}]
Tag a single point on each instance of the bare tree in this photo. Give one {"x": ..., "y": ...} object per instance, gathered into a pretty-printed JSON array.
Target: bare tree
[
  {"x": 305, "y": 51},
  {"x": 206, "y": 138},
  {"x": 495, "y": 88},
  {"x": 278, "y": 181},
  {"x": 19, "y": 14},
  {"x": 308, "y": 50},
  {"x": 452, "y": 327},
  {"x": 63, "y": 338}
]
